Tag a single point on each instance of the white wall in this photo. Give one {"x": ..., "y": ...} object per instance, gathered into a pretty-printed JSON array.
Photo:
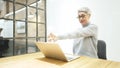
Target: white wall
[{"x": 61, "y": 18}]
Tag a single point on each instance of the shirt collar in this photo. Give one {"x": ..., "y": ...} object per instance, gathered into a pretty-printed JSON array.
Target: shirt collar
[{"x": 86, "y": 25}]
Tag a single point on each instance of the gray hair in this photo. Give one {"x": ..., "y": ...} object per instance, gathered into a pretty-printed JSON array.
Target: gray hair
[{"x": 85, "y": 9}]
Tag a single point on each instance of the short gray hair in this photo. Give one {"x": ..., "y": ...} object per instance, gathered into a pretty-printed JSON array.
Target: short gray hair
[{"x": 85, "y": 9}]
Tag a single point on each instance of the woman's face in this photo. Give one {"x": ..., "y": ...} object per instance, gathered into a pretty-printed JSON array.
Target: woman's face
[{"x": 83, "y": 18}]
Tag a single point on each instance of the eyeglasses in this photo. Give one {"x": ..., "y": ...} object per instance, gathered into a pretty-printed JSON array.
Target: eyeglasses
[{"x": 81, "y": 16}]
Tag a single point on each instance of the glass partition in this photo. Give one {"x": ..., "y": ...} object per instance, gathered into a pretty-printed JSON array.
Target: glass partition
[{"x": 23, "y": 23}]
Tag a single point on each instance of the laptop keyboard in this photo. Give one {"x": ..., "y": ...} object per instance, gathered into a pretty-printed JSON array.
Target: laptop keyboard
[{"x": 71, "y": 57}]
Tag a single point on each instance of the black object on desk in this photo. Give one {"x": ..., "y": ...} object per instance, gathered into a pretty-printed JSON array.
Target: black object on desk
[{"x": 3, "y": 45}]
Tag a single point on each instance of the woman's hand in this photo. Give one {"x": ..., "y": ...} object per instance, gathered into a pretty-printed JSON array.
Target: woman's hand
[{"x": 52, "y": 37}]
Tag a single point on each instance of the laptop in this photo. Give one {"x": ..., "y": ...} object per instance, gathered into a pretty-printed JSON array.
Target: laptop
[{"x": 52, "y": 50}]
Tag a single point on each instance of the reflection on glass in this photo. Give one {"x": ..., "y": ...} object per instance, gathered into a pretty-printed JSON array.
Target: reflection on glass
[
  {"x": 41, "y": 17},
  {"x": 31, "y": 45},
  {"x": 31, "y": 14},
  {"x": 20, "y": 29},
  {"x": 20, "y": 46},
  {"x": 41, "y": 30},
  {"x": 24, "y": 1},
  {"x": 7, "y": 26},
  {"x": 8, "y": 47},
  {"x": 31, "y": 29},
  {"x": 41, "y": 4},
  {"x": 20, "y": 12},
  {"x": 32, "y": 2},
  {"x": 42, "y": 39}
]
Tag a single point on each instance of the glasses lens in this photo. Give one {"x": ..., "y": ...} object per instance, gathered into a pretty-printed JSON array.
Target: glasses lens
[{"x": 81, "y": 16}]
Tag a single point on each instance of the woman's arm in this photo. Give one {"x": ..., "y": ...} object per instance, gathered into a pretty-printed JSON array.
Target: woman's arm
[{"x": 90, "y": 30}]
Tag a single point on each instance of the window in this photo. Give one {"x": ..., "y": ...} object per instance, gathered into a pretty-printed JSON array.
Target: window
[{"x": 23, "y": 23}]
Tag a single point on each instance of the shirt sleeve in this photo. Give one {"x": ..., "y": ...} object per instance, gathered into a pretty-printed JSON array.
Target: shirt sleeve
[{"x": 90, "y": 30}]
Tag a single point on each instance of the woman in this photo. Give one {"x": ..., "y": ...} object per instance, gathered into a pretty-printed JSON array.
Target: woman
[{"x": 85, "y": 43}]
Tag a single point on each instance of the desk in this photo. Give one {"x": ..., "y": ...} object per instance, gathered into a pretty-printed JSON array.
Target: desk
[{"x": 37, "y": 60}]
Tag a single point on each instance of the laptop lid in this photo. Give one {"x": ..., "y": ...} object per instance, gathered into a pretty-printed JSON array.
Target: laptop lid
[{"x": 51, "y": 50}]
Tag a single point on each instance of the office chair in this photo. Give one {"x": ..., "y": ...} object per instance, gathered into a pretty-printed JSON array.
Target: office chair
[{"x": 101, "y": 46}]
